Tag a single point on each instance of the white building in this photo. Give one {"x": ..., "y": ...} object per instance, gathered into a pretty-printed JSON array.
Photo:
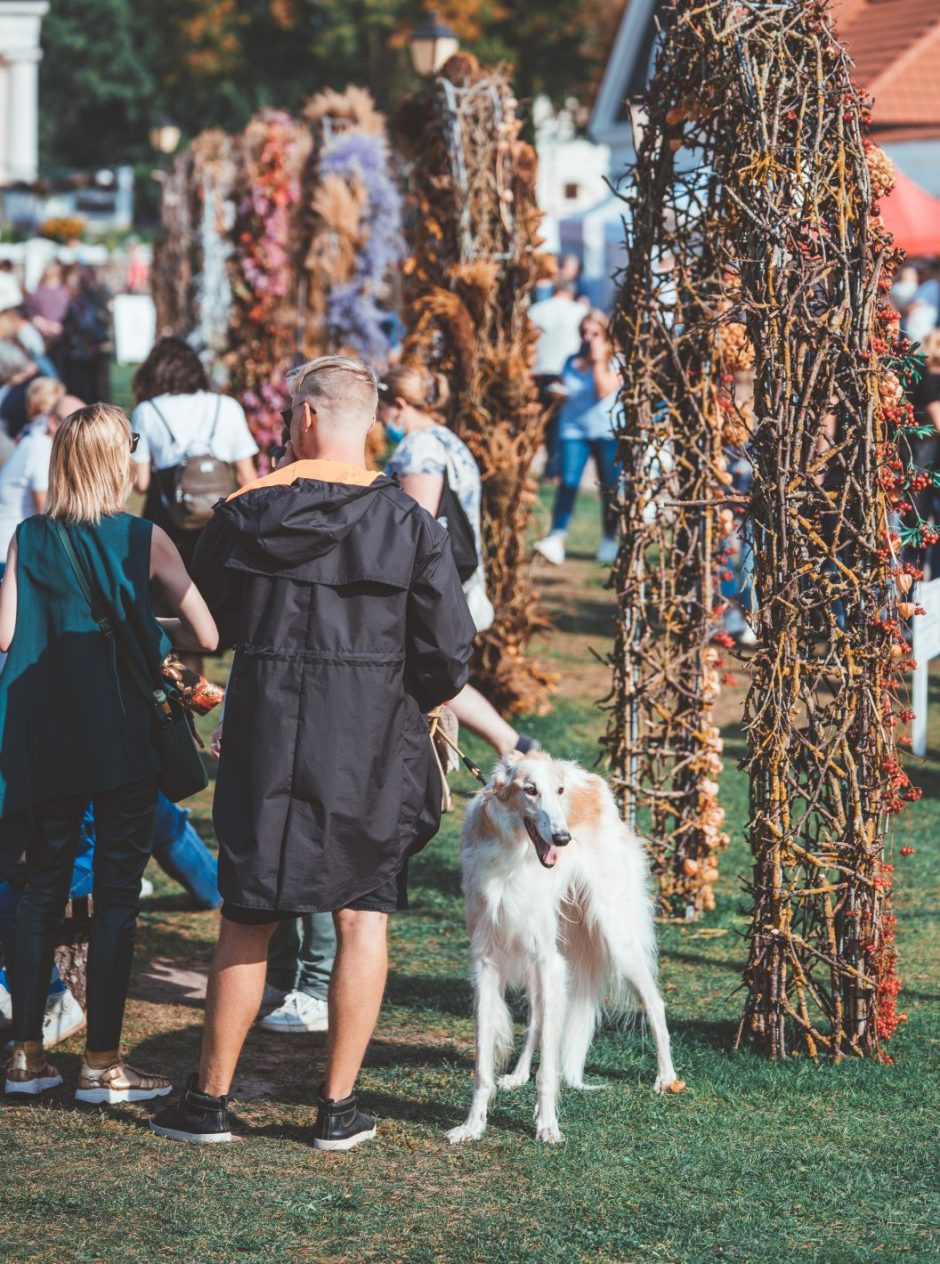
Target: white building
[
  {"x": 572, "y": 169},
  {"x": 20, "y": 55}
]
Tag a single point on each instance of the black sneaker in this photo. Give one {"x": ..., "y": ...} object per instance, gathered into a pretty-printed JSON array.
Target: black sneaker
[
  {"x": 195, "y": 1117},
  {"x": 341, "y": 1125}
]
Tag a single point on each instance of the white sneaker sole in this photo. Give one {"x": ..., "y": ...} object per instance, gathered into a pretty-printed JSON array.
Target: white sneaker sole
[
  {"x": 32, "y": 1087},
  {"x": 200, "y": 1138},
  {"x": 112, "y": 1096},
  {"x": 292, "y": 1029},
  {"x": 346, "y": 1144}
]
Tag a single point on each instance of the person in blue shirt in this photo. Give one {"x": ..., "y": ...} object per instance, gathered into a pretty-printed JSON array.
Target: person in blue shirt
[{"x": 589, "y": 390}]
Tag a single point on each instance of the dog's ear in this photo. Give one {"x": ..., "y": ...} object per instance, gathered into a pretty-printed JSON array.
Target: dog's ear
[{"x": 502, "y": 778}]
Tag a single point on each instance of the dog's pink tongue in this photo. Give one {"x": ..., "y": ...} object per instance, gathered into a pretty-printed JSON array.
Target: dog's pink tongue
[{"x": 551, "y": 855}]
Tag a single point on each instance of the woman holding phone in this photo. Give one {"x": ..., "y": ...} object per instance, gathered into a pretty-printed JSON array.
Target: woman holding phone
[{"x": 589, "y": 389}]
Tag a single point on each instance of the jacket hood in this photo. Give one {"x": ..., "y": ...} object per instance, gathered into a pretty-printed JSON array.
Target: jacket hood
[{"x": 286, "y": 527}]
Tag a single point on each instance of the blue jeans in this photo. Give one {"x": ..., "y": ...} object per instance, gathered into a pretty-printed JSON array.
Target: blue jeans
[
  {"x": 574, "y": 458},
  {"x": 301, "y": 955},
  {"x": 183, "y": 856}
]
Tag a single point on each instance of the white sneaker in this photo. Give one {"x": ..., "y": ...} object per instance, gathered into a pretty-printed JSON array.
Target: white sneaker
[
  {"x": 64, "y": 1017},
  {"x": 299, "y": 1013},
  {"x": 146, "y": 888},
  {"x": 552, "y": 548},
  {"x": 748, "y": 636},
  {"x": 607, "y": 553},
  {"x": 272, "y": 998}
]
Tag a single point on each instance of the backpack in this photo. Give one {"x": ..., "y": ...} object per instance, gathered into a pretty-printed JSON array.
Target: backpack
[
  {"x": 453, "y": 518},
  {"x": 191, "y": 490}
]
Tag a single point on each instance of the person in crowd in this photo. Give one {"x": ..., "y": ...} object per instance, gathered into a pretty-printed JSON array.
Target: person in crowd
[
  {"x": 75, "y": 728},
  {"x": 343, "y": 600},
  {"x": 16, "y": 325},
  {"x": 24, "y": 478},
  {"x": 428, "y": 454},
  {"x": 558, "y": 320},
  {"x": 17, "y": 373},
  {"x": 925, "y": 450},
  {"x": 47, "y": 304},
  {"x": 180, "y": 853},
  {"x": 178, "y": 416},
  {"x": 590, "y": 383},
  {"x": 300, "y": 963},
  {"x": 922, "y": 313},
  {"x": 87, "y": 338}
]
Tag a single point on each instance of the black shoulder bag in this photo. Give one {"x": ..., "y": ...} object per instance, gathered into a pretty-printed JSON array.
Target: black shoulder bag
[
  {"x": 181, "y": 769},
  {"x": 453, "y": 518}
]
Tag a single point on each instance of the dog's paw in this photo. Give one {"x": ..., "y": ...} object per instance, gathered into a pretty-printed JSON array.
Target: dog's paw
[
  {"x": 668, "y": 1084},
  {"x": 466, "y": 1132},
  {"x": 515, "y": 1080},
  {"x": 549, "y": 1133}
]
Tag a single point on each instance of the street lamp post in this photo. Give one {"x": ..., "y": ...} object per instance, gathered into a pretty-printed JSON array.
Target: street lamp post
[
  {"x": 165, "y": 136},
  {"x": 431, "y": 43}
]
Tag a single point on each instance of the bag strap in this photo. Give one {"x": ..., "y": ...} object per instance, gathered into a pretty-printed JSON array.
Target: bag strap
[
  {"x": 155, "y": 697},
  {"x": 215, "y": 421},
  {"x": 173, "y": 438}
]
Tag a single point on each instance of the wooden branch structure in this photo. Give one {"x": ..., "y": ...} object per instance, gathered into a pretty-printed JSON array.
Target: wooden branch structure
[
  {"x": 474, "y": 239},
  {"x": 788, "y": 245}
]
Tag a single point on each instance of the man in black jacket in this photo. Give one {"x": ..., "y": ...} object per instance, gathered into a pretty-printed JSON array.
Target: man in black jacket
[{"x": 349, "y": 622}]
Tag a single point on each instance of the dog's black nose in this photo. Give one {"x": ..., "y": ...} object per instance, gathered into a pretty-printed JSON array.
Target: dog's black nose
[{"x": 561, "y": 839}]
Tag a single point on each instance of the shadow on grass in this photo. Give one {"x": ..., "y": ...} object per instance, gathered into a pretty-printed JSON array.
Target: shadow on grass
[
  {"x": 586, "y": 618},
  {"x": 445, "y": 993}
]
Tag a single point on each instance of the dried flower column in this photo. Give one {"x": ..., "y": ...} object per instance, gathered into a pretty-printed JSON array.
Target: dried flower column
[
  {"x": 678, "y": 416},
  {"x": 473, "y": 233},
  {"x": 824, "y": 777}
]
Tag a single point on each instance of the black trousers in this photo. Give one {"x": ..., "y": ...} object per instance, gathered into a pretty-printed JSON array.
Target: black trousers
[{"x": 123, "y": 843}]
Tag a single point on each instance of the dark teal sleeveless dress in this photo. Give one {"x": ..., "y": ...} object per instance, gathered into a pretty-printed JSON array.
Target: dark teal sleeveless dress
[{"x": 72, "y": 721}]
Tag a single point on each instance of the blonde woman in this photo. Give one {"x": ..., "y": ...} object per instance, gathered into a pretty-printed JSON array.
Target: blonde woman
[
  {"x": 428, "y": 456},
  {"x": 74, "y": 728}
]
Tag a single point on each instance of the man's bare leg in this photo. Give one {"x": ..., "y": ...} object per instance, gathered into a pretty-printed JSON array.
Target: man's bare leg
[
  {"x": 355, "y": 998},
  {"x": 233, "y": 998}
]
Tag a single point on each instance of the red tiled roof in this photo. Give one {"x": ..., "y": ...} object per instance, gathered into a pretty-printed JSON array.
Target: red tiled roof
[{"x": 895, "y": 45}]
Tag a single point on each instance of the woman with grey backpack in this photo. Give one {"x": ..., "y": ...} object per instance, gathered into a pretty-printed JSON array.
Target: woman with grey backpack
[{"x": 195, "y": 446}]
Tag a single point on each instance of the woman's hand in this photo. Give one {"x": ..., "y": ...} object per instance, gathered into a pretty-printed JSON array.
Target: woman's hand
[{"x": 215, "y": 743}]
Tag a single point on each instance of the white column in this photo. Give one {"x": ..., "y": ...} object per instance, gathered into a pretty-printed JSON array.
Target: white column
[
  {"x": 6, "y": 122},
  {"x": 24, "y": 114}
]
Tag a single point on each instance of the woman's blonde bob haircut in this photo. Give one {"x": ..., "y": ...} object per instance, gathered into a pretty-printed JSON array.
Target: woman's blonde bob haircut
[{"x": 90, "y": 473}]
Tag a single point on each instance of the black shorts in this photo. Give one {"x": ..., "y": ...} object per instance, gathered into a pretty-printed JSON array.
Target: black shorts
[{"x": 390, "y": 897}]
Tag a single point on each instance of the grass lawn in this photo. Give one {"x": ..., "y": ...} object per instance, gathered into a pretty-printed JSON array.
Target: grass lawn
[{"x": 752, "y": 1163}]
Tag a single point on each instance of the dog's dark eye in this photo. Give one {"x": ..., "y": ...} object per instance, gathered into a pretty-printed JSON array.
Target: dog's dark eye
[{"x": 531, "y": 790}]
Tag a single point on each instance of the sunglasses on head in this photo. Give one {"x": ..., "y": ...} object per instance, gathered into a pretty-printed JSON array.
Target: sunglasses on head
[{"x": 135, "y": 439}]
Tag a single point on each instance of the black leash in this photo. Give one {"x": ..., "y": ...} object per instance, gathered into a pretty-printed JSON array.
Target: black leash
[{"x": 468, "y": 763}]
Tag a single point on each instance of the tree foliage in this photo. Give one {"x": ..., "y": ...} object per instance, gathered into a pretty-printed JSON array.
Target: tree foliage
[{"x": 112, "y": 66}]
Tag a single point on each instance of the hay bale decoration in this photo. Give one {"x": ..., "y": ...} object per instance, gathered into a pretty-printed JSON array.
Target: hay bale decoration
[{"x": 473, "y": 233}]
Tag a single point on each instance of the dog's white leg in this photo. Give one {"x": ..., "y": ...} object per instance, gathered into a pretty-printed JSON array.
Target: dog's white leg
[
  {"x": 550, "y": 986},
  {"x": 523, "y": 1068},
  {"x": 580, "y": 1025},
  {"x": 640, "y": 976},
  {"x": 492, "y": 1020}
]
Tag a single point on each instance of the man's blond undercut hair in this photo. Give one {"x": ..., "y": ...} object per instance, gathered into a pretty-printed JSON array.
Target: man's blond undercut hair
[{"x": 340, "y": 389}]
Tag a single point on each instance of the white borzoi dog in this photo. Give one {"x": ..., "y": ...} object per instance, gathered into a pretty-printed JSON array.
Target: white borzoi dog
[{"x": 557, "y": 900}]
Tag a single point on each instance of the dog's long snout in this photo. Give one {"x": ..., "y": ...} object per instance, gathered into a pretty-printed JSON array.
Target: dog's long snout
[{"x": 561, "y": 839}]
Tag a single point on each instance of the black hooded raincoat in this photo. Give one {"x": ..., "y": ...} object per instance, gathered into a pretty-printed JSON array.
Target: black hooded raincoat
[{"x": 349, "y": 622}]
